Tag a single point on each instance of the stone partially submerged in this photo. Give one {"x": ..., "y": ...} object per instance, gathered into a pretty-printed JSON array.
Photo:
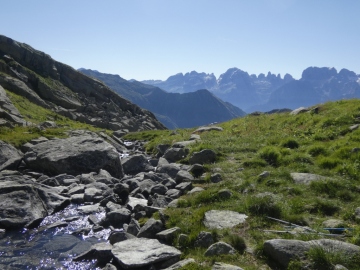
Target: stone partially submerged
[
  {"x": 216, "y": 219},
  {"x": 75, "y": 155},
  {"x": 140, "y": 252},
  {"x": 24, "y": 202}
]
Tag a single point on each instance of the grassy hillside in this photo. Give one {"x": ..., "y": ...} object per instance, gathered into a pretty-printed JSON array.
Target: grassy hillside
[
  {"x": 37, "y": 114},
  {"x": 319, "y": 142}
]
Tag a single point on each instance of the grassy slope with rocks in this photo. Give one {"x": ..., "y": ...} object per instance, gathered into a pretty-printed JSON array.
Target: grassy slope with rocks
[
  {"x": 319, "y": 143},
  {"x": 36, "y": 114}
]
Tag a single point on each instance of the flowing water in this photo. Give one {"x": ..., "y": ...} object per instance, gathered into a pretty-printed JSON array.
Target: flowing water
[{"x": 52, "y": 248}]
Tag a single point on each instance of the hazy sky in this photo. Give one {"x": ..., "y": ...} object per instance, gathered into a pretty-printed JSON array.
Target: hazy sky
[{"x": 153, "y": 39}]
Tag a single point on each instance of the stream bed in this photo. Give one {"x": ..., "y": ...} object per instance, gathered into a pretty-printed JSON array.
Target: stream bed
[{"x": 52, "y": 245}]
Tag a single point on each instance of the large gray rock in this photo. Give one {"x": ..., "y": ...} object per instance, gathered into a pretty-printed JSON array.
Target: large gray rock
[
  {"x": 75, "y": 155},
  {"x": 202, "y": 157},
  {"x": 141, "y": 252},
  {"x": 136, "y": 164},
  {"x": 8, "y": 111},
  {"x": 219, "y": 248},
  {"x": 174, "y": 154},
  {"x": 170, "y": 169},
  {"x": 180, "y": 264},
  {"x": 10, "y": 157},
  {"x": 25, "y": 202},
  {"x": 224, "y": 266},
  {"x": 216, "y": 219},
  {"x": 151, "y": 228},
  {"x": 283, "y": 251},
  {"x": 305, "y": 178}
]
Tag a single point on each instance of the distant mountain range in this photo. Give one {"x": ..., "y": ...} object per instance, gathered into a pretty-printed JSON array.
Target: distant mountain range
[
  {"x": 268, "y": 92},
  {"x": 174, "y": 110}
]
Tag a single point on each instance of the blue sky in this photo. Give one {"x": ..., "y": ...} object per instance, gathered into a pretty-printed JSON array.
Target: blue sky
[{"x": 153, "y": 39}]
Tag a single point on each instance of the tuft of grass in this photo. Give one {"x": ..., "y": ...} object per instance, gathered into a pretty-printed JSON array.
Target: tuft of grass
[
  {"x": 290, "y": 143},
  {"x": 323, "y": 259},
  {"x": 271, "y": 155}
]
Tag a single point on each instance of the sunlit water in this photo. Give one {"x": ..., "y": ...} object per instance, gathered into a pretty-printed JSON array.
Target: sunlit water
[{"x": 51, "y": 248}]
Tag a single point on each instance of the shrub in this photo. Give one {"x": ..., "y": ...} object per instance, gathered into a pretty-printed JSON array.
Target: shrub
[
  {"x": 254, "y": 163},
  {"x": 290, "y": 143},
  {"x": 317, "y": 150},
  {"x": 263, "y": 206},
  {"x": 328, "y": 163},
  {"x": 324, "y": 207},
  {"x": 323, "y": 259},
  {"x": 237, "y": 242},
  {"x": 271, "y": 155}
]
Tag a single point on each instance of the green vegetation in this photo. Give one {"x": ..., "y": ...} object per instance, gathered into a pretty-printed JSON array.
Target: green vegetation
[
  {"x": 281, "y": 144},
  {"x": 319, "y": 143},
  {"x": 37, "y": 114}
]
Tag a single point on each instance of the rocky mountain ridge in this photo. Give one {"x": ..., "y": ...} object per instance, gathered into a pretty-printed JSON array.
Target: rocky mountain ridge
[
  {"x": 174, "y": 110},
  {"x": 268, "y": 92},
  {"x": 56, "y": 86}
]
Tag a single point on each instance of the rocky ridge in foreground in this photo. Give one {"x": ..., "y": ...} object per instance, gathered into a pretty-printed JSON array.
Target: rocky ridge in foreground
[{"x": 50, "y": 84}]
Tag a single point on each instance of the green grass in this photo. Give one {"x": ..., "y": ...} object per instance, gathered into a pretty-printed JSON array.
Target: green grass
[
  {"x": 280, "y": 144},
  {"x": 36, "y": 114}
]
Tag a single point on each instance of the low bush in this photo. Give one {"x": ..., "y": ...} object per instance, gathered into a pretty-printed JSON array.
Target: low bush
[
  {"x": 271, "y": 155},
  {"x": 317, "y": 150},
  {"x": 290, "y": 143}
]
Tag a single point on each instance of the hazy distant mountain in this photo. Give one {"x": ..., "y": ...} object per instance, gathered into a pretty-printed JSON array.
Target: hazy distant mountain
[
  {"x": 235, "y": 86},
  {"x": 174, "y": 110},
  {"x": 268, "y": 92},
  {"x": 316, "y": 85}
]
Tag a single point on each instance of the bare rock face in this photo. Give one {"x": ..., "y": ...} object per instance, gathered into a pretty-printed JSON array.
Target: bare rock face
[
  {"x": 24, "y": 202},
  {"x": 74, "y": 155},
  {"x": 51, "y": 84},
  {"x": 10, "y": 157},
  {"x": 8, "y": 113}
]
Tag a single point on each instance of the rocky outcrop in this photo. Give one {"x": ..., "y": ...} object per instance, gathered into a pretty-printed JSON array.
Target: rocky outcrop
[
  {"x": 9, "y": 115},
  {"x": 75, "y": 155},
  {"x": 51, "y": 84},
  {"x": 10, "y": 157},
  {"x": 24, "y": 203}
]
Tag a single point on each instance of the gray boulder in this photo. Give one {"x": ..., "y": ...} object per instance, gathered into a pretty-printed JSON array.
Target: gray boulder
[
  {"x": 219, "y": 248},
  {"x": 224, "y": 266},
  {"x": 305, "y": 178},
  {"x": 118, "y": 236},
  {"x": 75, "y": 155},
  {"x": 135, "y": 164},
  {"x": 183, "y": 176},
  {"x": 202, "y": 157},
  {"x": 204, "y": 239},
  {"x": 118, "y": 217},
  {"x": 174, "y": 154},
  {"x": 180, "y": 264},
  {"x": 141, "y": 252},
  {"x": 10, "y": 157},
  {"x": 217, "y": 219},
  {"x": 216, "y": 178},
  {"x": 25, "y": 203},
  {"x": 169, "y": 169},
  {"x": 168, "y": 235},
  {"x": 151, "y": 228},
  {"x": 283, "y": 251}
]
